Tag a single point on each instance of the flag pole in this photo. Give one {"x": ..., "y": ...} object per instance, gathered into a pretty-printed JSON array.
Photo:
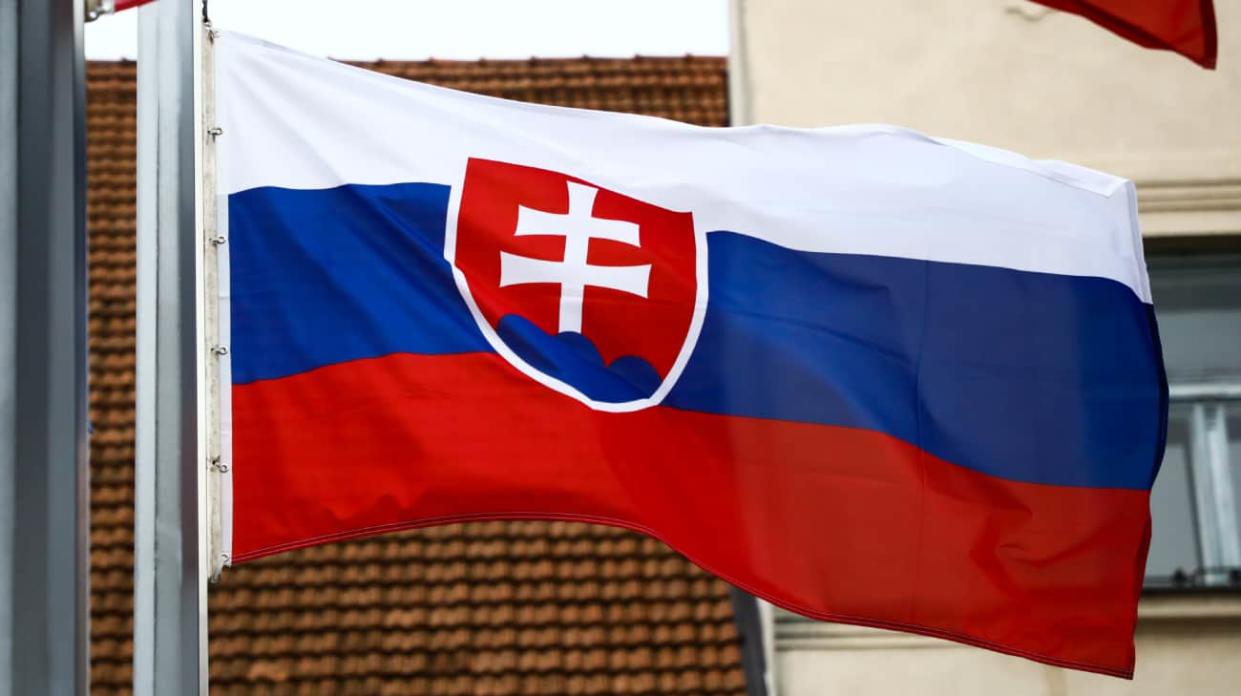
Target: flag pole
[
  {"x": 44, "y": 542},
  {"x": 171, "y": 528}
]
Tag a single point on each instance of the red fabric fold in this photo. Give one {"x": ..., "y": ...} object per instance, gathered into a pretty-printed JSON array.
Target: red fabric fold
[
  {"x": 1184, "y": 26},
  {"x": 122, "y": 5}
]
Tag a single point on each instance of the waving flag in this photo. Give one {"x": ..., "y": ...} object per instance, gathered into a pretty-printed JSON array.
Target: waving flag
[
  {"x": 871, "y": 376},
  {"x": 1184, "y": 26}
]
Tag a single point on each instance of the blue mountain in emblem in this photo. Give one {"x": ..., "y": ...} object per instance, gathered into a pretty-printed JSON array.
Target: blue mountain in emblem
[{"x": 573, "y": 359}]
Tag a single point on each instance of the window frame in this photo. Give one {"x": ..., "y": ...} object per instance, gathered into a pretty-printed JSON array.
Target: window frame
[{"x": 1214, "y": 498}]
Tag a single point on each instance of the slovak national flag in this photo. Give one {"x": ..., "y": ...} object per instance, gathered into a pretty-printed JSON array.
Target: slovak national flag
[{"x": 871, "y": 376}]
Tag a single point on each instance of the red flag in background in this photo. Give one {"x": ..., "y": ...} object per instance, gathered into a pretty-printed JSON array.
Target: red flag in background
[
  {"x": 1184, "y": 26},
  {"x": 122, "y": 5}
]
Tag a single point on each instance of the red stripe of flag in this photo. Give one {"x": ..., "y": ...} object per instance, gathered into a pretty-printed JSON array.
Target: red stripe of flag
[{"x": 837, "y": 523}]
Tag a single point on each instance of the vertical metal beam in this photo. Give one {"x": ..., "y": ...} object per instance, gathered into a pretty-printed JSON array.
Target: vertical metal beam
[
  {"x": 8, "y": 325},
  {"x": 170, "y": 611},
  {"x": 740, "y": 94},
  {"x": 44, "y": 602}
]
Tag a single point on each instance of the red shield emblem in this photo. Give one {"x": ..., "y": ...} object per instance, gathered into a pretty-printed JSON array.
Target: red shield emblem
[{"x": 588, "y": 291}]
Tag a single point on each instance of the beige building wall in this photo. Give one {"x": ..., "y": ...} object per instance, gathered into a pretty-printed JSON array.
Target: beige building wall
[
  {"x": 1011, "y": 74},
  {"x": 1186, "y": 645}
]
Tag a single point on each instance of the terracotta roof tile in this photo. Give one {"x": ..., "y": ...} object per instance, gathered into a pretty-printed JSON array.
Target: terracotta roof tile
[{"x": 498, "y": 608}]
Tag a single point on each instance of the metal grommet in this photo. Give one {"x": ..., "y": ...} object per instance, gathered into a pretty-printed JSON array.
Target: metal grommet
[{"x": 220, "y": 350}]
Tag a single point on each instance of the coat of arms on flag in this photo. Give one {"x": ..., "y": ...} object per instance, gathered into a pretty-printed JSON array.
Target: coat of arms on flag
[{"x": 590, "y": 292}]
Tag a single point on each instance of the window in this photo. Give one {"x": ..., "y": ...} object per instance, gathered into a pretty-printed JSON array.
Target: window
[{"x": 1196, "y": 501}]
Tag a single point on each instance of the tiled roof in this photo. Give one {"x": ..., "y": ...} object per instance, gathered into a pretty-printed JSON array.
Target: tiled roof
[{"x": 482, "y": 608}]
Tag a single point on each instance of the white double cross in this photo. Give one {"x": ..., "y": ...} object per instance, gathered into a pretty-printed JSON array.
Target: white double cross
[{"x": 573, "y": 274}]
